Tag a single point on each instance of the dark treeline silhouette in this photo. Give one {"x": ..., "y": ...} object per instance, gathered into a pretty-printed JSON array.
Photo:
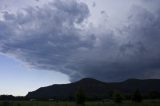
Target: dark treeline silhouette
[{"x": 11, "y": 97}]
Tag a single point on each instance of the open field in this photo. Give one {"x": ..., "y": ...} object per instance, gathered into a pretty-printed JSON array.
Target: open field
[{"x": 40, "y": 103}]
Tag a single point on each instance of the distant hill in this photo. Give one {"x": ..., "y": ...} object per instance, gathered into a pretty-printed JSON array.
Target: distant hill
[{"x": 95, "y": 89}]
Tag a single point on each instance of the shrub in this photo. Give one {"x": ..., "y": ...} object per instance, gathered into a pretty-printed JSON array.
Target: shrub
[
  {"x": 18, "y": 104},
  {"x": 6, "y": 103},
  {"x": 80, "y": 97},
  {"x": 117, "y": 97},
  {"x": 137, "y": 97}
]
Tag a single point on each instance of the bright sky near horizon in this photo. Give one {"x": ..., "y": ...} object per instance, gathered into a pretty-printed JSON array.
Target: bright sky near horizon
[{"x": 17, "y": 79}]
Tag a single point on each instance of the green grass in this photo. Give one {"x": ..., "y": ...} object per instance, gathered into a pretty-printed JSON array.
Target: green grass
[{"x": 40, "y": 103}]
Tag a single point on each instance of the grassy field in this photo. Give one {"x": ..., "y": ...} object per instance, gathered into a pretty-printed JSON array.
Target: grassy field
[{"x": 38, "y": 103}]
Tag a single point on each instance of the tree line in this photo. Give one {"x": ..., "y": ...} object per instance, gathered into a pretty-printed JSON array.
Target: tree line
[
  {"x": 81, "y": 96},
  {"x": 119, "y": 97}
]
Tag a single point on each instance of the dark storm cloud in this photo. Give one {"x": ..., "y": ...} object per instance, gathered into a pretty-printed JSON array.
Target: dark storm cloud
[
  {"x": 53, "y": 38},
  {"x": 45, "y": 37},
  {"x": 130, "y": 52}
]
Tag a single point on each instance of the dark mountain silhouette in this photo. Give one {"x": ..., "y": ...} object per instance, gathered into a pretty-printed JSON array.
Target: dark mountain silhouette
[{"x": 95, "y": 89}]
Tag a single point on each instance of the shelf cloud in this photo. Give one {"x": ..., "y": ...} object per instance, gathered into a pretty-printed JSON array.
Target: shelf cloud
[{"x": 59, "y": 36}]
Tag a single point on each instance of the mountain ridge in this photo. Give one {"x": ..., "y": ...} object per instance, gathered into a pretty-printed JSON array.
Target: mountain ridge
[{"x": 94, "y": 88}]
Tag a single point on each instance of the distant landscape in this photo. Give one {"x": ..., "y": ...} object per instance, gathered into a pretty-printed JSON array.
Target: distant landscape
[
  {"x": 93, "y": 93},
  {"x": 79, "y": 52}
]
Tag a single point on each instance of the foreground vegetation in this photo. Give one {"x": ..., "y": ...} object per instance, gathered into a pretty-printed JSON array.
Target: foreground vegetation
[{"x": 100, "y": 103}]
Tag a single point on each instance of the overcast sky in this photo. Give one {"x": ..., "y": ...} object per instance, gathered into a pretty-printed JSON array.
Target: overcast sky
[{"x": 44, "y": 42}]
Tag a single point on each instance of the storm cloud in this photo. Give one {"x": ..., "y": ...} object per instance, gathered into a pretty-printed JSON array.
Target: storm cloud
[{"x": 59, "y": 37}]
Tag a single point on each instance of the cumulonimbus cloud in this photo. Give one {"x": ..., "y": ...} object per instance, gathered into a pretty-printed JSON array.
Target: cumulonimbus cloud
[{"x": 54, "y": 37}]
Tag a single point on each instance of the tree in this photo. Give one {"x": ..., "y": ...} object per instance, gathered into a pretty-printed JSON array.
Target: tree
[
  {"x": 137, "y": 97},
  {"x": 6, "y": 103},
  {"x": 80, "y": 97},
  {"x": 110, "y": 93},
  {"x": 117, "y": 97},
  {"x": 153, "y": 95}
]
